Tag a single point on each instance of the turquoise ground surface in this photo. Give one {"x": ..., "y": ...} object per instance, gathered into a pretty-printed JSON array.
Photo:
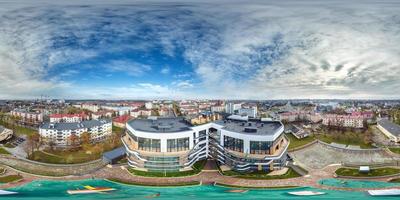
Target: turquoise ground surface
[
  {"x": 57, "y": 190},
  {"x": 342, "y": 183}
]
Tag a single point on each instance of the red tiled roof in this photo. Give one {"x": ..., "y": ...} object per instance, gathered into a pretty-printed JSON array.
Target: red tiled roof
[
  {"x": 83, "y": 115},
  {"x": 122, "y": 119}
]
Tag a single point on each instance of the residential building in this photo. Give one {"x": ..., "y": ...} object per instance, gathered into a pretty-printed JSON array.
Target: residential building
[
  {"x": 205, "y": 117},
  {"x": 346, "y": 121},
  {"x": 217, "y": 108},
  {"x": 5, "y": 133},
  {"x": 251, "y": 112},
  {"x": 56, "y": 118},
  {"x": 173, "y": 144},
  {"x": 88, "y": 106},
  {"x": 164, "y": 111},
  {"x": 102, "y": 114},
  {"x": 120, "y": 121},
  {"x": 232, "y": 107},
  {"x": 140, "y": 113},
  {"x": 390, "y": 129},
  {"x": 60, "y": 133},
  {"x": 148, "y": 105},
  {"x": 28, "y": 117},
  {"x": 300, "y": 116}
]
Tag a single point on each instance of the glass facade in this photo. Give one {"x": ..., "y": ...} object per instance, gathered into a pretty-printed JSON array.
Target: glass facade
[
  {"x": 146, "y": 144},
  {"x": 233, "y": 144},
  {"x": 258, "y": 147},
  {"x": 180, "y": 144}
]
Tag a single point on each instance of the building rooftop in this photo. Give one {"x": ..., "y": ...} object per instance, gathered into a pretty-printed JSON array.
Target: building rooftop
[
  {"x": 75, "y": 125},
  {"x": 390, "y": 126},
  {"x": 252, "y": 127},
  {"x": 113, "y": 154},
  {"x": 160, "y": 125}
]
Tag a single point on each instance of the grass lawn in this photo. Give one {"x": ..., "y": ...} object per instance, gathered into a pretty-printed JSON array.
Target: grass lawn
[
  {"x": 197, "y": 167},
  {"x": 347, "y": 138},
  {"x": 18, "y": 130},
  {"x": 395, "y": 150},
  {"x": 10, "y": 178},
  {"x": 294, "y": 142},
  {"x": 63, "y": 157},
  {"x": 373, "y": 172},
  {"x": 262, "y": 175},
  {"x": 3, "y": 151}
]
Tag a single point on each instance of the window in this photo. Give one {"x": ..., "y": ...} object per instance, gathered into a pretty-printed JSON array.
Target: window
[
  {"x": 147, "y": 144},
  {"x": 259, "y": 147},
  {"x": 181, "y": 144},
  {"x": 171, "y": 145},
  {"x": 233, "y": 144}
]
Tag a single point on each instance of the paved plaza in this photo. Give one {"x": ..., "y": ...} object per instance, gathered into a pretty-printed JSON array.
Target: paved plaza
[{"x": 318, "y": 155}]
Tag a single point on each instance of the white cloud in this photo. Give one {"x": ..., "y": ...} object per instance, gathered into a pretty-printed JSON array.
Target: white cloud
[
  {"x": 165, "y": 70},
  {"x": 256, "y": 49}
]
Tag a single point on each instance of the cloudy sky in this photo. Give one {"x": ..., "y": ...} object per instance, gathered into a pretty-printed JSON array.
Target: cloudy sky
[{"x": 218, "y": 49}]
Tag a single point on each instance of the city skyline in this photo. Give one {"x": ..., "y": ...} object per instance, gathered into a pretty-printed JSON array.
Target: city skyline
[{"x": 194, "y": 50}]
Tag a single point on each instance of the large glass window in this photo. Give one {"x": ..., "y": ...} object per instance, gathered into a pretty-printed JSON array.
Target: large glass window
[
  {"x": 258, "y": 147},
  {"x": 147, "y": 144},
  {"x": 181, "y": 144},
  {"x": 171, "y": 145},
  {"x": 155, "y": 145},
  {"x": 233, "y": 144},
  {"x": 202, "y": 135}
]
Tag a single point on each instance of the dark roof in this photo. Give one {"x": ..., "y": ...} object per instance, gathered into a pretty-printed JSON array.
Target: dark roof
[
  {"x": 390, "y": 126},
  {"x": 253, "y": 127},
  {"x": 75, "y": 125},
  {"x": 160, "y": 125},
  {"x": 116, "y": 153}
]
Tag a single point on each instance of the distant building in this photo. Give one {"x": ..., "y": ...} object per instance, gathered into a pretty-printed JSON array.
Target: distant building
[
  {"x": 163, "y": 111},
  {"x": 217, "y": 108},
  {"x": 205, "y": 118},
  {"x": 56, "y": 118},
  {"x": 32, "y": 118},
  {"x": 232, "y": 107},
  {"x": 102, "y": 114},
  {"x": 121, "y": 120},
  {"x": 390, "y": 129},
  {"x": 346, "y": 121},
  {"x": 142, "y": 112},
  {"x": 88, "y": 106},
  {"x": 60, "y": 133},
  {"x": 148, "y": 105},
  {"x": 300, "y": 116},
  {"x": 5, "y": 133},
  {"x": 251, "y": 112}
]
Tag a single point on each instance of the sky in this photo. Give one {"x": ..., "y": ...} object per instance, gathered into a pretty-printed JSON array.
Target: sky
[{"x": 219, "y": 49}]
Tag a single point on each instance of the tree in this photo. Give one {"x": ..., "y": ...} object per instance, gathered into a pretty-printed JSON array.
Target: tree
[
  {"x": 85, "y": 138},
  {"x": 73, "y": 140},
  {"x": 51, "y": 144}
]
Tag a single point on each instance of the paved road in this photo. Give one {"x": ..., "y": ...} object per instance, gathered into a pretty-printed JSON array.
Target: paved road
[{"x": 50, "y": 169}]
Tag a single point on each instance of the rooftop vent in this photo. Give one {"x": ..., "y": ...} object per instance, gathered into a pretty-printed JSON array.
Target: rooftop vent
[{"x": 250, "y": 130}]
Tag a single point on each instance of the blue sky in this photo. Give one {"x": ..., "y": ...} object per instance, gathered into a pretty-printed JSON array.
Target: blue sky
[{"x": 200, "y": 49}]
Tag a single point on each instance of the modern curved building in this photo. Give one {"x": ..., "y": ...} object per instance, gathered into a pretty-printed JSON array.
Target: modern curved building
[{"x": 173, "y": 144}]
